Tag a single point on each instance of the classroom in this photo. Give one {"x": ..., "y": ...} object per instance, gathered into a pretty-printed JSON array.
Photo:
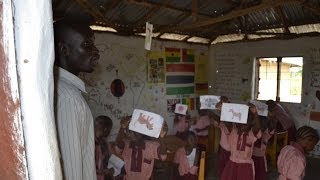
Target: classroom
[{"x": 176, "y": 89}]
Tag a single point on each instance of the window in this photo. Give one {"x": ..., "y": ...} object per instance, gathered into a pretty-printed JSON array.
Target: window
[{"x": 279, "y": 78}]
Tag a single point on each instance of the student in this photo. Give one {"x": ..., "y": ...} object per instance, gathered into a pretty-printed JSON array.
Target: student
[
  {"x": 225, "y": 129},
  {"x": 181, "y": 124},
  {"x": 102, "y": 128},
  {"x": 291, "y": 161},
  {"x": 139, "y": 156},
  {"x": 260, "y": 146},
  {"x": 241, "y": 139},
  {"x": 285, "y": 121},
  {"x": 123, "y": 134},
  {"x": 201, "y": 128},
  {"x": 75, "y": 52},
  {"x": 187, "y": 158}
]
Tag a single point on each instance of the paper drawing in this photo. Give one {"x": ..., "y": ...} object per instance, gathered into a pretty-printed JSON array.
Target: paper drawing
[
  {"x": 146, "y": 123},
  {"x": 116, "y": 163},
  {"x": 237, "y": 113},
  {"x": 181, "y": 109},
  {"x": 145, "y": 120},
  {"x": 209, "y": 101}
]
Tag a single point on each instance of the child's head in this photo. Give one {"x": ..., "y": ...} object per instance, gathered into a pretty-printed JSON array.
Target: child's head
[
  {"x": 253, "y": 109},
  {"x": 190, "y": 141},
  {"x": 102, "y": 126},
  {"x": 307, "y": 137},
  {"x": 124, "y": 122},
  {"x": 223, "y": 99}
]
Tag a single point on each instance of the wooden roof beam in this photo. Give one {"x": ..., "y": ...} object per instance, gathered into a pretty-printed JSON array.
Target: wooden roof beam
[
  {"x": 195, "y": 10},
  {"x": 237, "y": 13}
]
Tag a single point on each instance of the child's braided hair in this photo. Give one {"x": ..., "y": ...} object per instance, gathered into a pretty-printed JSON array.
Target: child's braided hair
[{"x": 307, "y": 131}]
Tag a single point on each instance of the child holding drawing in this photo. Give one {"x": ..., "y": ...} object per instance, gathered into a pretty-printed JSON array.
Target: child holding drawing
[
  {"x": 260, "y": 146},
  {"x": 241, "y": 139},
  {"x": 181, "y": 120},
  {"x": 187, "y": 159},
  {"x": 139, "y": 154}
]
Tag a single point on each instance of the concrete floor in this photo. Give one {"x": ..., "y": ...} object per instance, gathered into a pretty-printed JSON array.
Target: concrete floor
[{"x": 312, "y": 170}]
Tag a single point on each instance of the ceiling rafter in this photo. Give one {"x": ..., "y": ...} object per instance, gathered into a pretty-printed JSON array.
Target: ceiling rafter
[
  {"x": 234, "y": 14},
  {"x": 152, "y": 12},
  {"x": 280, "y": 12},
  {"x": 194, "y": 10},
  {"x": 95, "y": 12}
]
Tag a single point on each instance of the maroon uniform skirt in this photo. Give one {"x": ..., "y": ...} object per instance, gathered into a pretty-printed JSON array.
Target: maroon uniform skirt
[
  {"x": 260, "y": 168},
  {"x": 223, "y": 158},
  {"x": 237, "y": 171}
]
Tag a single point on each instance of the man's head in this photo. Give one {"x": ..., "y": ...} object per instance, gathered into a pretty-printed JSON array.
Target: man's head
[
  {"x": 102, "y": 126},
  {"x": 74, "y": 47}
]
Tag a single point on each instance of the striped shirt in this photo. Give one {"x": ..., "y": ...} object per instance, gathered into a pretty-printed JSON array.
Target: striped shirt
[{"x": 75, "y": 127}]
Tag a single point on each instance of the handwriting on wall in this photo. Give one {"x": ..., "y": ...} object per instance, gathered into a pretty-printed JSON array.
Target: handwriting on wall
[
  {"x": 229, "y": 75},
  {"x": 115, "y": 112},
  {"x": 314, "y": 56}
]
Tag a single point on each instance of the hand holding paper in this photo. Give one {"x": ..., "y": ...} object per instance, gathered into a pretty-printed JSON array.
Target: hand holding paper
[
  {"x": 116, "y": 163},
  {"x": 146, "y": 123}
]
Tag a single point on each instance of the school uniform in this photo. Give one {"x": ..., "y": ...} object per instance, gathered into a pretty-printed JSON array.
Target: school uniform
[
  {"x": 240, "y": 165},
  {"x": 202, "y": 123},
  {"x": 182, "y": 128},
  {"x": 258, "y": 156},
  {"x": 187, "y": 169},
  {"x": 224, "y": 147},
  {"x": 291, "y": 162},
  {"x": 102, "y": 155},
  {"x": 139, "y": 160}
]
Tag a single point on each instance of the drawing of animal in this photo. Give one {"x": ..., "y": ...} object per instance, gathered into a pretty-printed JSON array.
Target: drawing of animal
[
  {"x": 145, "y": 120},
  {"x": 235, "y": 114}
]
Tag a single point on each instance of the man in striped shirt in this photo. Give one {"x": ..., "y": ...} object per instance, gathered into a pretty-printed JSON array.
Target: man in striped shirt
[{"x": 75, "y": 53}]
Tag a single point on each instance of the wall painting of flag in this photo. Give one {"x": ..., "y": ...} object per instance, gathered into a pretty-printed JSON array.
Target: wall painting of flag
[
  {"x": 180, "y": 79},
  {"x": 172, "y": 55},
  {"x": 188, "y": 55}
]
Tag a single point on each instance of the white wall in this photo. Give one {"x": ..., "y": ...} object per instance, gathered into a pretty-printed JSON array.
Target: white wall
[
  {"x": 35, "y": 57},
  {"x": 127, "y": 55},
  {"x": 242, "y": 55}
]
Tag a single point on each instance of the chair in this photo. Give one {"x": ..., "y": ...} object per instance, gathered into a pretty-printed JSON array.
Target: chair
[
  {"x": 202, "y": 166},
  {"x": 280, "y": 139}
]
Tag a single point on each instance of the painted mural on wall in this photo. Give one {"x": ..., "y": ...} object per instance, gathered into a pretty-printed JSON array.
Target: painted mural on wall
[{"x": 128, "y": 78}]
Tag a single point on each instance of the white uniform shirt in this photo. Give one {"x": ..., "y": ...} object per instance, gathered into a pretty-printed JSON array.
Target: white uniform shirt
[{"x": 75, "y": 127}]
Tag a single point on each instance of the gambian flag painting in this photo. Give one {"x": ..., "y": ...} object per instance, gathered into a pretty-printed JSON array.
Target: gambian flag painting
[
  {"x": 180, "y": 79},
  {"x": 172, "y": 55},
  {"x": 188, "y": 55}
]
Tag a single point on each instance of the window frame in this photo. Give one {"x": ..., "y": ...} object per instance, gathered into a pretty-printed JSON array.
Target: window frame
[{"x": 257, "y": 76}]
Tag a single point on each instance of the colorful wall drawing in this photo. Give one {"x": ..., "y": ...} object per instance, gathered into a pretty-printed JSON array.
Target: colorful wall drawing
[{"x": 156, "y": 67}]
